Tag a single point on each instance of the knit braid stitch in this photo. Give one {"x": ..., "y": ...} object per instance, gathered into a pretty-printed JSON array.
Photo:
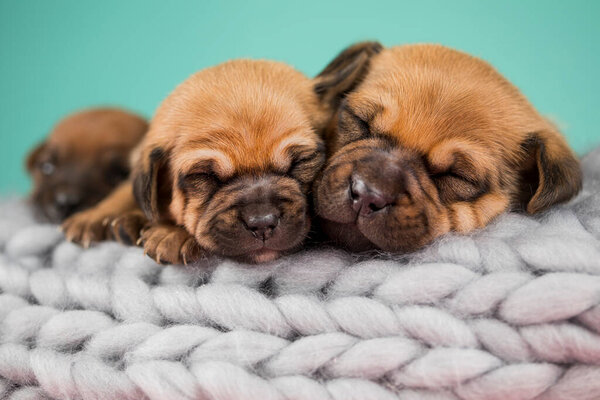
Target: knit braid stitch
[{"x": 510, "y": 312}]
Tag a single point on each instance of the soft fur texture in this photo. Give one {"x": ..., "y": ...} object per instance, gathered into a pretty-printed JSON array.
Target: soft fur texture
[
  {"x": 509, "y": 312},
  {"x": 432, "y": 140},
  {"x": 224, "y": 169}
]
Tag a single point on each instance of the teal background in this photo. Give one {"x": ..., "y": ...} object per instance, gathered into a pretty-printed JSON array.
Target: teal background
[{"x": 61, "y": 55}]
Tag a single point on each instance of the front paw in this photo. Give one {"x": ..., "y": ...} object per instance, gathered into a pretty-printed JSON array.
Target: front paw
[
  {"x": 170, "y": 244},
  {"x": 86, "y": 227},
  {"x": 127, "y": 228}
]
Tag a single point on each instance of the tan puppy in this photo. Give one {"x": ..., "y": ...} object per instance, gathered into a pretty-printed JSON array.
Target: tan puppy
[
  {"x": 433, "y": 140},
  {"x": 84, "y": 158},
  {"x": 226, "y": 166}
]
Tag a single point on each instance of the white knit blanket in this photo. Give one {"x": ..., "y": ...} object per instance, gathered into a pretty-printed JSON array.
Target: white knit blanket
[{"x": 510, "y": 312}]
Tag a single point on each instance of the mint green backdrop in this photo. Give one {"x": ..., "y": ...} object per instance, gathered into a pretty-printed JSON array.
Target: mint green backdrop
[{"x": 61, "y": 55}]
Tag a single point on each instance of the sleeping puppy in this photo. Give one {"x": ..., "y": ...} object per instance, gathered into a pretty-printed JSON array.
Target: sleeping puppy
[
  {"x": 83, "y": 159},
  {"x": 226, "y": 166},
  {"x": 433, "y": 140}
]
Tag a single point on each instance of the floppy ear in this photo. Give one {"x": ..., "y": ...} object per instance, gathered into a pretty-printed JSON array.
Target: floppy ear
[
  {"x": 344, "y": 73},
  {"x": 152, "y": 184},
  {"x": 33, "y": 156},
  {"x": 551, "y": 173}
]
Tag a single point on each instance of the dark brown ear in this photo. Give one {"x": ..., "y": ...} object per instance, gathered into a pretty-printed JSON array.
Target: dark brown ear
[
  {"x": 152, "y": 184},
  {"x": 551, "y": 173},
  {"x": 344, "y": 73},
  {"x": 34, "y": 156}
]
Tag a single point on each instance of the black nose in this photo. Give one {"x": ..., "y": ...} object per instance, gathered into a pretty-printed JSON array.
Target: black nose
[
  {"x": 260, "y": 220},
  {"x": 367, "y": 200},
  {"x": 66, "y": 202}
]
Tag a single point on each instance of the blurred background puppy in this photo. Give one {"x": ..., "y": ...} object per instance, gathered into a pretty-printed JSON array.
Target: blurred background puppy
[
  {"x": 226, "y": 167},
  {"x": 82, "y": 160},
  {"x": 432, "y": 140}
]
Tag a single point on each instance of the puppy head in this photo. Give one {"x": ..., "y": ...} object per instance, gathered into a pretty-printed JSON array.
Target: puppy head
[
  {"x": 433, "y": 140},
  {"x": 82, "y": 160},
  {"x": 231, "y": 155}
]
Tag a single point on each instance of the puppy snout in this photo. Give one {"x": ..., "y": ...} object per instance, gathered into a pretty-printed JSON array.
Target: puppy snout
[
  {"x": 267, "y": 218},
  {"x": 261, "y": 220},
  {"x": 367, "y": 199},
  {"x": 63, "y": 198},
  {"x": 376, "y": 186},
  {"x": 66, "y": 202}
]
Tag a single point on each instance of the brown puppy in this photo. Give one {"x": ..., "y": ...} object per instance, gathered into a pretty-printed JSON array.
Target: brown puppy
[
  {"x": 83, "y": 159},
  {"x": 226, "y": 166},
  {"x": 433, "y": 140}
]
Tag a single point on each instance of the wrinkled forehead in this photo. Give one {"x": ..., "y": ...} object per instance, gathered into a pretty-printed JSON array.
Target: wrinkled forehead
[
  {"x": 422, "y": 114},
  {"x": 420, "y": 96},
  {"x": 231, "y": 151}
]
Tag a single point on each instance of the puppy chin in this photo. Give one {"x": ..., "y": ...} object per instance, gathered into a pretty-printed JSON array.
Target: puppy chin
[
  {"x": 347, "y": 235},
  {"x": 262, "y": 256},
  {"x": 357, "y": 237},
  {"x": 263, "y": 253},
  {"x": 48, "y": 213},
  {"x": 253, "y": 253},
  {"x": 258, "y": 256}
]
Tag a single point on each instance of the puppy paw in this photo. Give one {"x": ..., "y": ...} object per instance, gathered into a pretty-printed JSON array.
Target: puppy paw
[
  {"x": 126, "y": 228},
  {"x": 170, "y": 244},
  {"x": 86, "y": 227}
]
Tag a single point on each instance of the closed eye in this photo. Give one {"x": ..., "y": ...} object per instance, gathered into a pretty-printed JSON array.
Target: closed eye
[
  {"x": 306, "y": 164},
  {"x": 198, "y": 181},
  {"x": 453, "y": 174},
  {"x": 202, "y": 177},
  {"x": 363, "y": 125},
  {"x": 454, "y": 187},
  {"x": 351, "y": 126},
  {"x": 202, "y": 171},
  {"x": 300, "y": 161}
]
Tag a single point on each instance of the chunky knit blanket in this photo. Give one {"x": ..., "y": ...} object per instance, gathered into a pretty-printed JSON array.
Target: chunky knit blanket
[{"x": 510, "y": 312}]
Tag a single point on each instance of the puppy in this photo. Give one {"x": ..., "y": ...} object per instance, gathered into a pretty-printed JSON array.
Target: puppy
[
  {"x": 83, "y": 159},
  {"x": 226, "y": 167},
  {"x": 433, "y": 140}
]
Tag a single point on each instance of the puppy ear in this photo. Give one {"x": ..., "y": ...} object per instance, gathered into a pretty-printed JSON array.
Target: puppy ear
[
  {"x": 152, "y": 184},
  {"x": 34, "y": 155},
  {"x": 344, "y": 73},
  {"x": 551, "y": 173}
]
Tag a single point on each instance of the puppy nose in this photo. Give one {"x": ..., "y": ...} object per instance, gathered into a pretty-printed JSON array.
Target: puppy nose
[
  {"x": 367, "y": 200},
  {"x": 66, "y": 202},
  {"x": 261, "y": 221}
]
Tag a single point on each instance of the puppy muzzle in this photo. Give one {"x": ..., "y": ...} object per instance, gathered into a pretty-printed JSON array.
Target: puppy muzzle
[
  {"x": 264, "y": 217},
  {"x": 56, "y": 204},
  {"x": 373, "y": 202}
]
